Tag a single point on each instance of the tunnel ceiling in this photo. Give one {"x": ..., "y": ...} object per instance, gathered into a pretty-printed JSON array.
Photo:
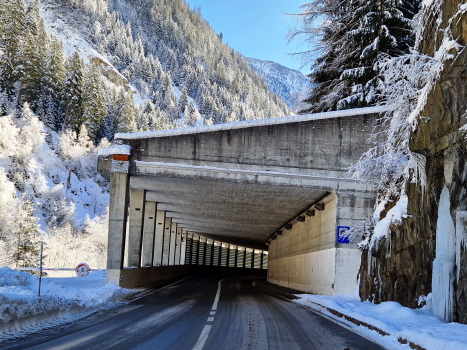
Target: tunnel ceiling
[{"x": 236, "y": 213}]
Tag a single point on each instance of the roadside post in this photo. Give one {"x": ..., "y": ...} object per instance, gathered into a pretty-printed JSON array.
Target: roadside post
[{"x": 40, "y": 270}]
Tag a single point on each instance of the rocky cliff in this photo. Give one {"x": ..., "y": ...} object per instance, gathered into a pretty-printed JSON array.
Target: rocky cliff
[{"x": 401, "y": 268}]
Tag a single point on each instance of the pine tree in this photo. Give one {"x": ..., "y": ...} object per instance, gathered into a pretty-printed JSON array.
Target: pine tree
[
  {"x": 94, "y": 102},
  {"x": 353, "y": 36},
  {"x": 30, "y": 87},
  {"x": 13, "y": 16},
  {"x": 150, "y": 115},
  {"x": 73, "y": 92},
  {"x": 27, "y": 235},
  {"x": 183, "y": 101},
  {"x": 126, "y": 114}
]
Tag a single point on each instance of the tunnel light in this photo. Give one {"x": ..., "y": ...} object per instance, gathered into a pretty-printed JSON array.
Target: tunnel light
[
  {"x": 288, "y": 226},
  {"x": 319, "y": 206},
  {"x": 301, "y": 218},
  {"x": 310, "y": 212}
]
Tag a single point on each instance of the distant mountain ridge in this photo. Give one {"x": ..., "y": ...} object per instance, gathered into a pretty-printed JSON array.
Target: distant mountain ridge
[{"x": 290, "y": 84}]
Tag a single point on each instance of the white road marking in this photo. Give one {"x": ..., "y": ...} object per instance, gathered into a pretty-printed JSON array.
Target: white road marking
[
  {"x": 216, "y": 300},
  {"x": 202, "y": 338},
  {"x": 207, "y": 328}
]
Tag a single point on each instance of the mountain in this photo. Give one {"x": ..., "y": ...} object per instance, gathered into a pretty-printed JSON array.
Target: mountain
[
  {"x": 290, "y": 84},
  {"x": 75, "y": 72}
]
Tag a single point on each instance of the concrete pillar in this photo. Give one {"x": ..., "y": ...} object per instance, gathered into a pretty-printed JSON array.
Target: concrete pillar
[
  {"x": 148, "y": 234},
  {"x": 212, "y": 254},
  {"x": 173, "y": 238},
  {"x": 190, "y": 236},
  {"x": 159, "y": 238},
  {"x": 166, "y": 244},
  {"x": 178, "y": 245},
  {"x": 219, "y": 255},
  {"x": 253, "y": 259},
  {"x": 183, "y": 248},
  {"x": 137, "y": 203},
  {"x": 261, "y": 264},
  {"x": 228, "y": 255},
  {"x": 244, "y": 258},
  {"x": 236, "y": 256},
  {"x": 203, "y": 251},
  {"x": 118, "y": 207},
  {"x": 195, "y": 250}
]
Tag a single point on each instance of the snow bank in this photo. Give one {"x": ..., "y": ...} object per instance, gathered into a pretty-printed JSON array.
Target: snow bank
[
  {"x": 250, "y": 123},
  {"x": 418, "y": 326},
  {"x": 60, "y": 297},
  {"x": 118, "y": 149}
]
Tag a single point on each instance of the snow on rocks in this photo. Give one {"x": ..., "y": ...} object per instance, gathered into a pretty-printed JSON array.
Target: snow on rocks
[
  {"x": 400, "y": 324},
  {"x": 118, "y": 149},
  {"x": 61, "y": 298}
]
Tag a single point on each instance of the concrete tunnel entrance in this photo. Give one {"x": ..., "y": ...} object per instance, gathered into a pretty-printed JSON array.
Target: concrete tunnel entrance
[{"x": 259, "y": 194}]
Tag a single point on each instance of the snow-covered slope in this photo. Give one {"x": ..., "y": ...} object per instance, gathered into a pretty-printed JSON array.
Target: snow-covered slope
[{"x": 290, "y": 84}]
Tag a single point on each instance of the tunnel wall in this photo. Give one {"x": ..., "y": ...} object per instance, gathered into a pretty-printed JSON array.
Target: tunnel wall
[{"x": 309, "y": 259}]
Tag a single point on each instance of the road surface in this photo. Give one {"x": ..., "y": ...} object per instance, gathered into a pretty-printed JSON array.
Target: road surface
[{"x": 201, "y": 313}]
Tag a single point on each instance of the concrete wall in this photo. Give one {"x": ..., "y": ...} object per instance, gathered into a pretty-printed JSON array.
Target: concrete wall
[{"x": 308, "y": 258}]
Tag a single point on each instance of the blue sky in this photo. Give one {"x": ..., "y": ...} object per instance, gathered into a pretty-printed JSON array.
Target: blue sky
[{"x": 255, "y": 28}]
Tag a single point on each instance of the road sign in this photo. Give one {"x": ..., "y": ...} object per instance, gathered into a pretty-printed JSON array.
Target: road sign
[
  {"x": 82, "y": 270},
  {"x": 342, "y": 235}
]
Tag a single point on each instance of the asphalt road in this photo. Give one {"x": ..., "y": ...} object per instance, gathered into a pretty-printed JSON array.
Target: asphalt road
[{"x": 196, "y": 314}]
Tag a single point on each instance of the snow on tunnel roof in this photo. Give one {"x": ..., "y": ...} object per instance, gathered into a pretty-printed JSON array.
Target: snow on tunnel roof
[{"x": 249, "y": 123}]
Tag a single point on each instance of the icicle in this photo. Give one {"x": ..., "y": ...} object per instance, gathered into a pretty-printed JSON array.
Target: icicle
[
  {"x": 443, "y": 265},
  {"x": 461, "y": 219}
]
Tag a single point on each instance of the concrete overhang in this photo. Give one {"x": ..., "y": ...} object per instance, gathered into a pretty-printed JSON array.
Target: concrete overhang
[{"x": 239, "y": 183}]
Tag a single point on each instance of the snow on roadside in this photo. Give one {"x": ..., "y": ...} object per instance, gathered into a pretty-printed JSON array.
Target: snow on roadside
[
  {"x": 20, "y": 307},
  {"x": 418, "y": 326}
]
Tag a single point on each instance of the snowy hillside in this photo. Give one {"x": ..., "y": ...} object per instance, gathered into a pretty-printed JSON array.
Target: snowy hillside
[{"x": 290, "y": 84}]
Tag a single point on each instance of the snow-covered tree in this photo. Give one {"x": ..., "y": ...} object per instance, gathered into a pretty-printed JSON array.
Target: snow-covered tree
[
  {"x": 73, "y": 92},
  {"x": 352, "y": 36},
  {"x": 94, "y": 102}
]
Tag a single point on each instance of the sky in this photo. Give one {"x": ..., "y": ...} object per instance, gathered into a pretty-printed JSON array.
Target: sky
[{"x": 255, "y": 28}]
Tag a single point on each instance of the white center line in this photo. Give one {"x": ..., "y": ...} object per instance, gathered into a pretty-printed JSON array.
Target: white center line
[
  {"x": 202, "y": 338},
  {"x": 207, "y": 328}
]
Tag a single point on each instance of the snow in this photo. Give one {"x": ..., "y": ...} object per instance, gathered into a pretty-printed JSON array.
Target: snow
[
  {"x": 418, "y": 326},
  {"x": 20, "y": 304},
  {"x": 394, "y": 215},
  {"x": 118, "y": 149},
  {"x": 250, "y": 123},
  {"x": 444, "y": 263}
]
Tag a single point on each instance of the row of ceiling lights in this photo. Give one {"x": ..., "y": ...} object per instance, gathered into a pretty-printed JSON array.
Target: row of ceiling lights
[{"x": 301, "y": 218}]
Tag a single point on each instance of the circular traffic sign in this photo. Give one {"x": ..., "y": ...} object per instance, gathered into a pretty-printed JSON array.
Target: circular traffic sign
[{"x": 82, "y": 270}]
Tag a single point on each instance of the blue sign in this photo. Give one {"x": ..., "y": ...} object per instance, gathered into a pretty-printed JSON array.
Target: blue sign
[{"x": 342, "y": 236}]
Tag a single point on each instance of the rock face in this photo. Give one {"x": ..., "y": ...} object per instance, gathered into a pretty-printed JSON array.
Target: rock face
[{"x": 401, "y": 269}]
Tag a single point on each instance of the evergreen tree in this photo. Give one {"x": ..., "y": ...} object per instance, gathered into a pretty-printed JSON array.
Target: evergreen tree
[
  {"x": 126, "y": 114},
  {"x": 150, "y": 115},
  {"x": 94, "y": 102},
  {"x": 27, "y": 236},
  {"x": 13, "y": 16},
  {"x": 30, "y": 87},
  {"x": 183, "y": 101},
  {"x": 353, "y": 36},
  {"x": 73, "y": 92}
]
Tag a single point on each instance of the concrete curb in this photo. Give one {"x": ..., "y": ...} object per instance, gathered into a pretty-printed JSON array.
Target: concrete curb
[{"x": 289, "y": 294}]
